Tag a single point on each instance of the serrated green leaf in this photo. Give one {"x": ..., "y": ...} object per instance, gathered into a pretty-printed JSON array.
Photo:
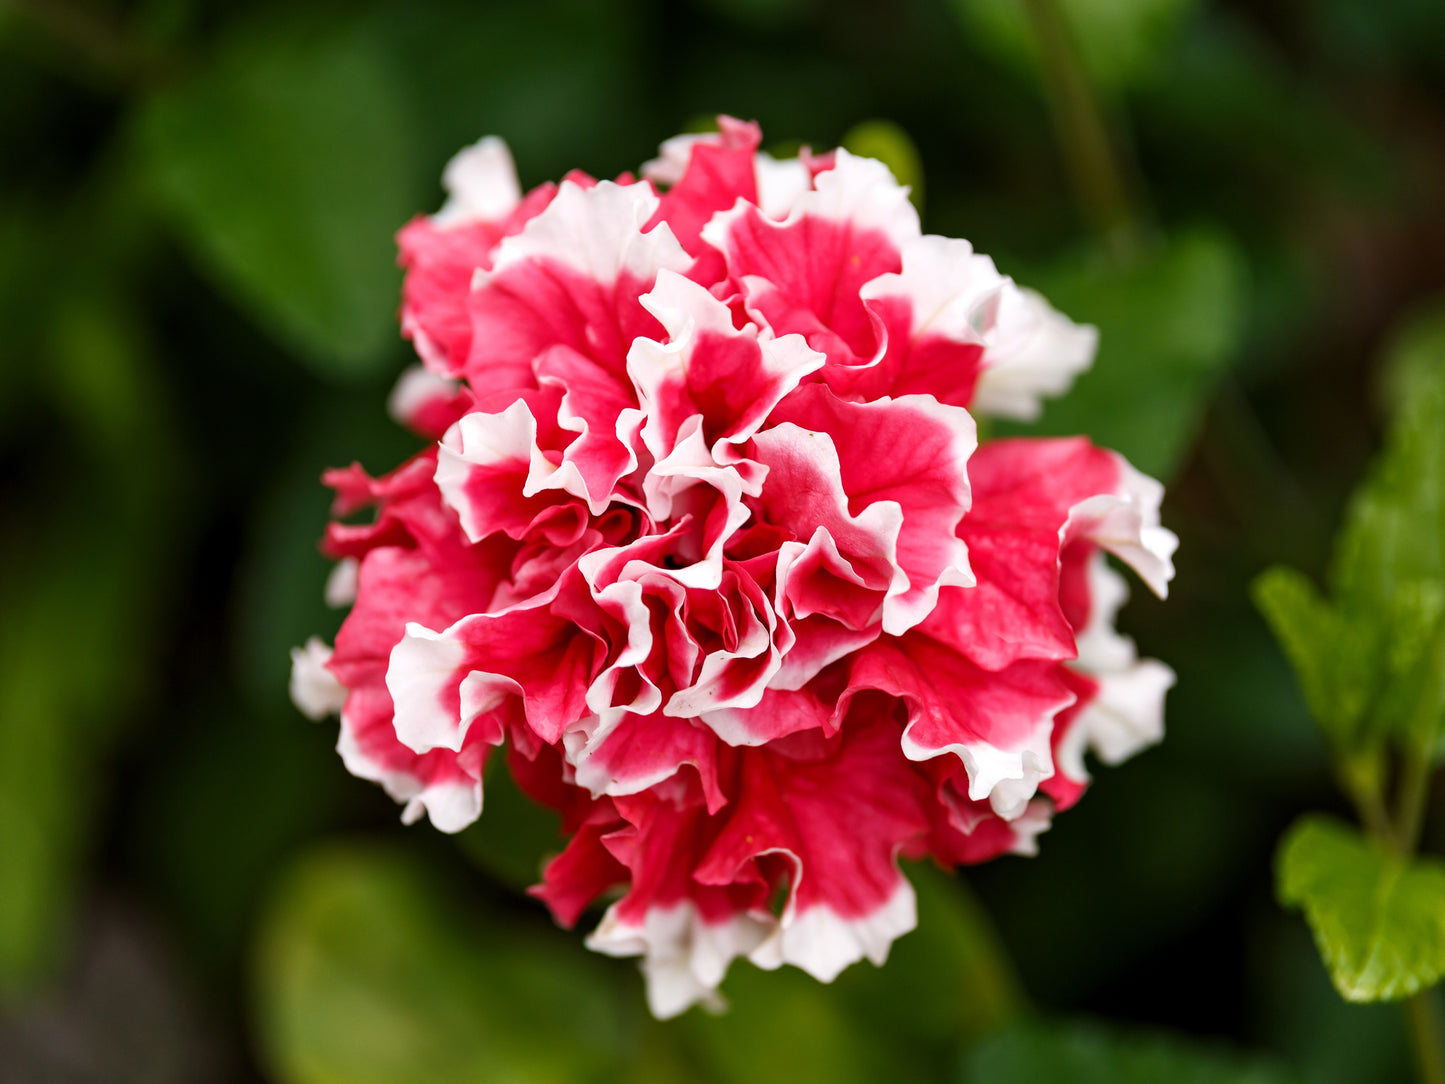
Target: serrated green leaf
[
  {"x": 1169, "y": 321},
  {"x": 1378, "y": 920},
  {"x": 1310, "y": 631},
  {"x": 288, "y": 164},
  {"x": 1085, "y": 1054},
  {"x": 365, "y": 973},
  {"x": 1389, "y": 568}
]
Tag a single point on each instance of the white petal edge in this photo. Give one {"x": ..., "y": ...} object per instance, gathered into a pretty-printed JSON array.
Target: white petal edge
[
  {"x": 597, "y": 231},
  {"x": 953, "y": 290},
  {"x": 314, "y": 689},
  {"x": 451, "y": 805},
  {"x": 1126, "y": 523},
  {"x": 781, "y": 184},
  {"x": 414, "y": 390},
  {"x": 1029, "y": 825},
  {"x": 341, "y": 583},
  {"x": 481, "y": 183},
  {"x": 684, "y": 958},
  {"x": 673, "y": 156},
  {"x": 823, "y": 943},
  {"x": 1126, "y": 713},
  {"x": 1033, "y": 352},
  {"x": 1007, "y": 778},
  {"x": 422, "y": 667},
  {"x": 860, "y": 192}
]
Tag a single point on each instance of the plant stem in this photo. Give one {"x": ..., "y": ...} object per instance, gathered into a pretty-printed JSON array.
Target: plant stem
[
  {"x": 1079, "y": 123},
  {"x": 1414, "y": 790},
  {"x": 1422, "y": 1021},
  {"x": 1359, "y": 776}
]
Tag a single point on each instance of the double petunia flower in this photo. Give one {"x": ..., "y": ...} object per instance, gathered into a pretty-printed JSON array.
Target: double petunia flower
[{"x": 706, "y": 542}]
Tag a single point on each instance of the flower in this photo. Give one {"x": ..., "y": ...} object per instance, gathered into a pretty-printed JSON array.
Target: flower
[{"x": 705, "y": 540}]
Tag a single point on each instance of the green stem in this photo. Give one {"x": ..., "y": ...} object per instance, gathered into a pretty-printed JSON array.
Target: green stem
[
  {"x": 1414, "y": 791},
  {"x": 1079, "y": 122},
  {"x": 1360, "y": 777},
  {"x": 1422, "y": 1021}
]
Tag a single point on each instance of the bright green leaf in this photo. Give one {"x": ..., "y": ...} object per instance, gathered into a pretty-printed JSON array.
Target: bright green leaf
[
  {"x": 365, "y": 973},
  {"x": 1378, "y": 920},
  {"x": 1083, "y": 1054},
  {"x": 1389, "y": 569},
  {"x": 1169, "y": 321},
  {"x": 288, "y": 164},
  {"x": 1332, "y": 671}
]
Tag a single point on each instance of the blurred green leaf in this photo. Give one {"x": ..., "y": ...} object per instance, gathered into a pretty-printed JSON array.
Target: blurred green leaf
[
  {"x": 1169, "y": 321},
  {"x": 254, "y": 785},
  {"x": 515, "y": 836},
  {"x": 784, "y": 1026},
  {"x": 1225, "y": 86},
  {"x": 954, "y": 938},
  {"x": 762, "y": 14},
  {"x": 45, "y": 778},
  {"x": 891, "y": 145},
  {"x": 1085, "y": 1054},
  {"x": 79, "y": 589},
  {"x": 1378, "y": 920},
  {"x": 280, "y": 593},
  {"x": 365, "y": 973},
  {"x": 565, "y": 90},
  {"x": 1119, "y": 41},
  {"x": 288, "y": 164}
]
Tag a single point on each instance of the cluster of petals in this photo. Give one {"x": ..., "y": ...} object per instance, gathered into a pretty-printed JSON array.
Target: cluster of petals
[{"x": 705, "y": 542}]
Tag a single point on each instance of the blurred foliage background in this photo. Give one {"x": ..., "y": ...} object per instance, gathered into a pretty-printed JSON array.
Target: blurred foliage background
[{"x": 197, "y": 313}]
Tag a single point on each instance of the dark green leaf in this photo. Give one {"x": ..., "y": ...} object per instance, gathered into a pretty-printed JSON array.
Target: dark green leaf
[
  {"x": 1168, "y": 322},
  {"x": 288, "y": 164},
  {"x": 515, "y": 836},
  {"x": 1083, "y": 1054},
  {"x": 1378, "y": 920}
]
